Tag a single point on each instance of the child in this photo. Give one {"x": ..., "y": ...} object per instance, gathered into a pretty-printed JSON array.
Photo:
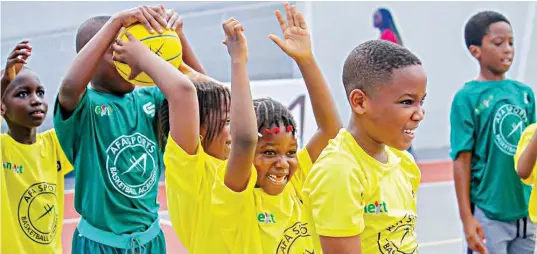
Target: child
[
  {"x": 525, "y": 157},
  {"x": 234, "y": 221},
  {"x": 362, "y": 189},
  {"x": 109, "y": 132},
  {"x": 190, "y": 177},
  {"x": 487, "y": 118},
  {"x": 34, "y": 164}
]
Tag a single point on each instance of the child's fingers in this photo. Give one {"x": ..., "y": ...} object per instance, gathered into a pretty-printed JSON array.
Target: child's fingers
[
  {"x": 141, "y": 18},
  {"x": 293, "y": 14},
  {"x": 177, "y": 22},
  {"x": 117, "y": 48},
  {"x": 278, "y": 41},
  {"x": 301, "y": 21},
  {"x": 21, "y": 52},
  {"x": 130, "y": 36},
  {"x": 172, "y": 19},
  {"x": 23, "y": 45},
  {"x": 119, "y": 58},
  {"x": 120, "y": 42},
  {"x": 279, "y": 16},
  {"x": 150, "y": 15},
  {"x": 290, "y": 22},
  {"x": 14, "y": 61}
]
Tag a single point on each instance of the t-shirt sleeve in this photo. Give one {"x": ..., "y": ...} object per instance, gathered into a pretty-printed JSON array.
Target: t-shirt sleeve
[
  {"x": 334, "y": 192},
  {"x": 462, "y": 126},
  {"x": 229, "y": 206},
  {"x": 69, "y": 126},
  {"x": 64, "y": 166},
  {"x": 184, "y": 176},
  {"x": 304, "y": 168},
  {"x": 522, "y": 144},
  {"x": 184, "y": 172}
]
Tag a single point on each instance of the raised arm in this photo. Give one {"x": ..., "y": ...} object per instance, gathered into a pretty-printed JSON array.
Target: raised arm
[
  {"x": 243, "y": 120},
  {"x": 297, "y": 45},
  {"x": 176, "y": 87},
  {"x": 15, "y": 62},
  {"x": 85, "y": 64},
  {"x": 189, "y": 57}
]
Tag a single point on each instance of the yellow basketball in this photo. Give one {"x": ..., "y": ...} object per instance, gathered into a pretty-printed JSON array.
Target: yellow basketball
[{"x": 166, "y": 45}]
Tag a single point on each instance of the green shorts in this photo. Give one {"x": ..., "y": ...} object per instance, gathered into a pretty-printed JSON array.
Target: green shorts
[{"x": 83, "y": 245}]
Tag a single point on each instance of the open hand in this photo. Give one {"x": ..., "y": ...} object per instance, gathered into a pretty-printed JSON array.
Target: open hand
[
  {"x": 297, "y": 43},
  {"x": 130, "y": 52},
  {"x": 16, "y": 60},
  {"x": 152, "y": 17},
  {"x": 235, "y": 40}
]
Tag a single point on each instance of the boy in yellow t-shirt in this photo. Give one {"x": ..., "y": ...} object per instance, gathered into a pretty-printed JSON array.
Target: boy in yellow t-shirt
[
  {"x": 34, "y": 165},
  {"x": 525, "y": 157},
  {"x": 362, "y": 189}
]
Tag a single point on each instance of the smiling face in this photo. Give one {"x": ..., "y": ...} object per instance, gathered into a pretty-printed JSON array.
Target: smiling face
[
  {"x": 391, "y": 114},
  {"x": 275, "y": 160},
  {"x": 23, "y": 101}
]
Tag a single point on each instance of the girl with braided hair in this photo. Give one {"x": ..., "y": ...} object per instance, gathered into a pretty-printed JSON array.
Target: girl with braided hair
[
  {"x": 244, "y": 204},
  {"x": 257, "y": 200}
]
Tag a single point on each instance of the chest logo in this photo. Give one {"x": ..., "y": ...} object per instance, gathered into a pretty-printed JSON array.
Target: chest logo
[
  {"x": 38, "y": 214},
  {"x": 131, "y": 165},
  {"x": 509, "y": 123}
]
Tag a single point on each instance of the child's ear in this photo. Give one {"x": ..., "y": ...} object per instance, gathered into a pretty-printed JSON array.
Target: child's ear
[
  {"x": 475, "y": 51},
  {"x": 3, "y": 109},
  {"x": 357, "y": 99}
]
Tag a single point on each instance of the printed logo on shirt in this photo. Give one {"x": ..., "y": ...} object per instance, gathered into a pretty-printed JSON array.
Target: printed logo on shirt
[
  {"x": 149, "y": 109},
  {"x": 399, "y": 237},
  {"x": 17, "y": 169},
  {"x": 509, "y": 123},
  {"x": 38, "y": 214},
  {"x": 293, "y": 235},
  {"x": 376, "y": 208},
  {"x": 131, "y": 165},
  {"x": 103, "y": 110},
  {"x": 484, "y": 104},
  {"x": 266, "y": 218}
]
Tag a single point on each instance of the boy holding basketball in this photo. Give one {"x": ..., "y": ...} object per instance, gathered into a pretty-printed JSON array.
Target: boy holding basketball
[
  {"x": 109, "y": 132},
  {"x": 488, "y": 115},
  {"x": 362, "y": 190}
]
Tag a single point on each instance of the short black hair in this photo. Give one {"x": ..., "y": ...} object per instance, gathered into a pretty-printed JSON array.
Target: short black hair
[
  {"x": 88, "y": 29},
  {"x": 271, "y": 113},
  {"x": 373, "y": 62},
  {"x": 213, "y": 100},
  {"x": 24, "y": 69},
  {"x": 478, "y": 26}
]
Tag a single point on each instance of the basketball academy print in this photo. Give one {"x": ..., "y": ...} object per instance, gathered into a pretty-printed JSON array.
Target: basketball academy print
[
  {"x": 131, "y": 165},
  {"x": 38, "y": 214}
]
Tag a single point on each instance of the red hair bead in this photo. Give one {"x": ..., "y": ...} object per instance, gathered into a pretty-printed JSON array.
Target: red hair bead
[
  {"x": 289, "y": 128},
  {"x": 276, "y": 130}
]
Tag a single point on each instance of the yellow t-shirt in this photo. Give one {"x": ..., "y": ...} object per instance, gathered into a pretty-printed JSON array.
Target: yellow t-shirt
[
  {"x": 189, "y": 181},
  {"x": 532, "y": 180},
  {"x": 32, "y": 194},
  {"x": 350, "y": 193},
  {"x": 252, "y": 221}
]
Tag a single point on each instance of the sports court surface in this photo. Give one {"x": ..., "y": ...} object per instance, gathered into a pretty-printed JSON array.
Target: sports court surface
[{"x": 438, "y": 227}]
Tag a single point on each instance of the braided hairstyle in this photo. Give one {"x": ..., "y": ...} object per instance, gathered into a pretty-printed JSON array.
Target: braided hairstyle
[
  {"x": 213, "y": 101},
  {"x": 272, "y": 113}
]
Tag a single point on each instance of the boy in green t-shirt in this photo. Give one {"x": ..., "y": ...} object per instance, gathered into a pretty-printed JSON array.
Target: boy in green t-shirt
[
  {"x": 109, "y": 133},
  {"x": 488, "y": 115}
]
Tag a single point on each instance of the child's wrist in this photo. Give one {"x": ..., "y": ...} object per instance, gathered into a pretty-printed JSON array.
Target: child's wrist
[
  {"x": 307, "y": 59},
  {"x": 239, "y": 60}
]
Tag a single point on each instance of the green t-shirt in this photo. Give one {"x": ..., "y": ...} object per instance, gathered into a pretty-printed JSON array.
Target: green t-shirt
[
  {"x": 112, "y": 143},
  {"x": 487, "y": 119}
]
